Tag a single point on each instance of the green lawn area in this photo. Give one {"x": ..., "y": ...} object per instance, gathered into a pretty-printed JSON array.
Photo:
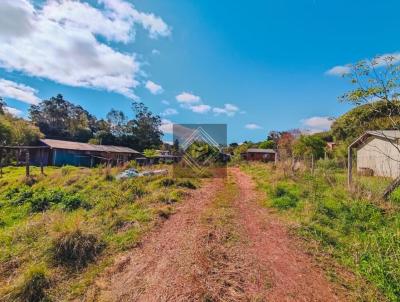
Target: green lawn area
[
  {"x": 59, "y": 231},
  {"x": 356, "y": 229}
]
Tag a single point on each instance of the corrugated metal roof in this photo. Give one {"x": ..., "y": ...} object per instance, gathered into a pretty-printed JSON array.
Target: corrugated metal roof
[
  {"x": 390, "y": 134},
  {"x": 385, "y": 134},
  {"x": 256, "y": 150},
  {"x": 67, "y": 145}
]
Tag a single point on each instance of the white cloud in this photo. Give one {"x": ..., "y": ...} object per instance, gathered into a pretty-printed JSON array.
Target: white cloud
[
  {"x": 166, "y": 126},
  {"x": 20, "y": 92},
  {"x": 339, "y": 70},
  {"x": 318, "y": 123},
  {"x": 122, "y": 9},
  {"x": 154, "y": 88},
  {"x": 202, "y": 108},
  {"x": 13, "y": 111},
  {"x": 253, "y": 126},
  {"x": 169, "y": 111},
  {"x": 165, "y": 102},
  {"x": 188, "y": 98},
  {"x": 155, "y": 52},
  {"x": 228, "y": 109},
  {"x": 59, "y": 41}
]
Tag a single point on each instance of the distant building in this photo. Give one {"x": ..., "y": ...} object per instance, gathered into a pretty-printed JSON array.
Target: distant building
[
  {"x": 379, "y": 152},
  {"x": 60, "y": 153},
  {"x": 254, "y": 154}
]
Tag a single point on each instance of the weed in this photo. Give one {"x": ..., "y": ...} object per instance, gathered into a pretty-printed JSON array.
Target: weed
[
  {"x": 167, "y": 182},
  {"x": 33, "y": 286},
  {"x": 76, "y": 249},
  {"x": 187, "y": 184}
]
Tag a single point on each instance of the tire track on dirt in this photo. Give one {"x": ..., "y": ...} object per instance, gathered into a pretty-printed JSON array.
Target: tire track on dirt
[
  {"x": 165, "y": 267},
  {"x": 293, "y": 275}
]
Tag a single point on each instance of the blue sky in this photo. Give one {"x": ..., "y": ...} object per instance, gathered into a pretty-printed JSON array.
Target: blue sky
[{"x": 255, "y": 65}]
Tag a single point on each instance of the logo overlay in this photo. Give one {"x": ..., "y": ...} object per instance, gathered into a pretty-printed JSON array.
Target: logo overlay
[{"x": 201, "y": 149}]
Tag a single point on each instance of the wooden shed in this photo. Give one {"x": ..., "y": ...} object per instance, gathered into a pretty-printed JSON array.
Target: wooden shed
[
  {"x": 254, "y": 154},
  {"x": 378, "y": 152},
  {"x": 61, "y": 153}
]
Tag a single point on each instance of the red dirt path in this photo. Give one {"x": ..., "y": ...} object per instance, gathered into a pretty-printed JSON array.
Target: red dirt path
[{"x": 170, "y": 264}]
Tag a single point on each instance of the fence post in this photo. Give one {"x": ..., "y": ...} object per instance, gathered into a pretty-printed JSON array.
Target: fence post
[
  {"x": 27, "y": 159},
  {"x": 41, "y": 161},
  {"x": 350, "y": 167},
  {"x": 312, "y": 164}
]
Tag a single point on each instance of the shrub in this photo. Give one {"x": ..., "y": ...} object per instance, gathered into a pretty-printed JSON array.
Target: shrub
[
  {"x": 42, "y": 200},
  {"x": 19, "y": 196},
  {"x": 33, "y": 286},
  {"x": 74, "y": 202},
  {"x": 75, "y": 249},
  {"x": 167, "y": 182},
  {"x": 284, "y": 197},
  {"x": 187, "y": 184}
]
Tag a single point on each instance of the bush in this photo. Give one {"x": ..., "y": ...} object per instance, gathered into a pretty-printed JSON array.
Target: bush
[
  {"x": 187, "y": 184},
  {"x": 42, "y": 200},
  {"x": 167, "y": 182},
  {"x": 284, "y": 197},
  {"x": 33, "y": 286},
  {"x": 74, "y": 202},
  {"x": 18, "y": 196},
  {"x": 75, "y": 249}
]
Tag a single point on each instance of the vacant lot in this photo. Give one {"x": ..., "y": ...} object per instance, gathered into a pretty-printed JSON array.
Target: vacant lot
[{"x": 58, "y": 232}]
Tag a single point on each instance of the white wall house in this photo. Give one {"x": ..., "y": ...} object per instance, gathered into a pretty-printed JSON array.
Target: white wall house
[{"x": 380, "y": 152}]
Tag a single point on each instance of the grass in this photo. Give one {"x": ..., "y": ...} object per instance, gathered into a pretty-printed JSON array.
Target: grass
[
  {"x": 58, "y": 232},
  {"x": 356, "y": 229}
]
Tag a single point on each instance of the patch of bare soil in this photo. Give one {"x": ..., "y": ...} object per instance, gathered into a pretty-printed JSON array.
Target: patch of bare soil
[
  {"x": 221, "y": 245},
  {"x": 166, "y": 266},
  {"x": 292, "y": 273}
]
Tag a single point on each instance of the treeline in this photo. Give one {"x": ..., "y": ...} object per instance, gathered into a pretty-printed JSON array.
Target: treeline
[
  {"x": 16, "y": 131},
  {"x": 58, "y": 118},
  {"x": 377, "y": 115}
]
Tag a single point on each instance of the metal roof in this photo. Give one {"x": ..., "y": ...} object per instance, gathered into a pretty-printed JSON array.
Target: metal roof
[
  {"x": 389, "y": 135},
  {"x": 67, "y": 145},
  {"x": 255, "y": 150}
]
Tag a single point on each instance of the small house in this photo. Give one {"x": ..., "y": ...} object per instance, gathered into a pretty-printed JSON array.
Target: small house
[
  {"x": 254, "y": 154},
  {"x": 378, "y": 152},
  {"x": 60, "y": 153}
]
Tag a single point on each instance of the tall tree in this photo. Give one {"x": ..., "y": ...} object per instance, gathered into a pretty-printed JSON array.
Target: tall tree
[
  {"x": 144, "y": 131},
  {"x": 59, "y": 118},
  {"x": 117, "y": 122}
]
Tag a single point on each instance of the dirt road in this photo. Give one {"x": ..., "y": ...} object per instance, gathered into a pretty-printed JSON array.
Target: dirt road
[{"x": 221, "y": 245}]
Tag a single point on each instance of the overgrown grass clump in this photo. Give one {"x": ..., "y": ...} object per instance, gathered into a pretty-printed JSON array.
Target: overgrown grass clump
[
  {"x": 356, "y": 228},
  {"x": 58, "y": 233},
  {"x": 76, "y": 249}
]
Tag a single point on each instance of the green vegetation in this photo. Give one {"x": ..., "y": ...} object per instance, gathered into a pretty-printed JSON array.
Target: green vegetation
[
  {"x": 60, "y": 232},
  {"x": 357, "y": 229}
]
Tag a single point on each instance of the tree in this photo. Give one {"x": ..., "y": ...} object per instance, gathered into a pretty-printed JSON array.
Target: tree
[
  {"x": 308, "y": 145},
  {"x": 377, "y": 115},
  {"x": 143, "y": 131},
  {"x": 377, "y": 84},
  {"x": 268, "y": 144},
  {"x": 2, "y": 106},
  {"x": 149, "y": 153},
  {"x": 17, "y": 131},
  {"x": 59, "y": 118},
  {"x": 117, "y": 122}
]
